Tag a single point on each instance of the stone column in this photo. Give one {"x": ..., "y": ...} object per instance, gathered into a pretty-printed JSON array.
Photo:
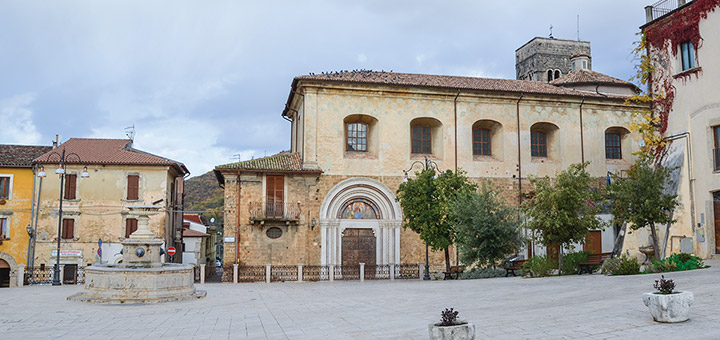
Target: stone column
[
  {"x": 62, "y": 274},
  {"x": 421, "y": 270},
  {"x": 235, "y": 272},
  {"x": 392, "y": 271},
  {"x": 331, "y": 272},
  {"x": 202, "y": 274},
  {"x": 267, "y": 273},
  {"x": 362, "y": 272},
  {"x": 20, "y": 275},
  {"x": 300, "y": 272}
]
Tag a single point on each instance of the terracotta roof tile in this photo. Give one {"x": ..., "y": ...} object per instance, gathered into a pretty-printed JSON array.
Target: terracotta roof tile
[
  {"x": 284, "y": 161},
  {"x": 589, "y": 77},
  {"x": 453, "y": 82},
  {"x": 106, "y": 152},
  {"x": 187, "y": 232},
  {"x": 20, "y": 155},
  {"x": 193, "y": 218}
]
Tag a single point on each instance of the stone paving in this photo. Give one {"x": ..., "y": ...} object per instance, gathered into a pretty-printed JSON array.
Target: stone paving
[{"x": 568, "y": 307}]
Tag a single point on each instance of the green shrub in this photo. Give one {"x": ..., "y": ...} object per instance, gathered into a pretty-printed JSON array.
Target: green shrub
[
  {"x": 627, "y": 266},
  {"x": 684, "y": 261},
  {"x": 570, "y": 262},
  {"x": 684, "y": 257},
  {"x": 539, "y": 266},
  {"x": 621, "y": 266},
  {"x": 482, "y": 273},
  {"x": 663, "y": 266}
]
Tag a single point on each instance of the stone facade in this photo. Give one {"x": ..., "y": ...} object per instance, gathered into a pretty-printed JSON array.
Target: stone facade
[
  {"x": 328, "y": 176},
  {"x": 540, "y": 55}
]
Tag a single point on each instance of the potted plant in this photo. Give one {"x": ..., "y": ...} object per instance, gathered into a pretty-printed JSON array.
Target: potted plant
[
  {"x": 450, "y": 328},
  {"x": 667, "y": 304}
]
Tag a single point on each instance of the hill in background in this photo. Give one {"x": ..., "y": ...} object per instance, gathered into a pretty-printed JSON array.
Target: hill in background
[{"x": 203, "y": 195}]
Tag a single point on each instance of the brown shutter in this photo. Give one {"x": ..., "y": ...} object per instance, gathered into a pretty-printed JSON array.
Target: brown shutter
[
  {"x": 130, "y": 226},
  {"x": 133, "y": 187},
  {"x": 274, "y": 186},
  {"x": 70, "y": 186},
  {"x": 68, "y": 228}
]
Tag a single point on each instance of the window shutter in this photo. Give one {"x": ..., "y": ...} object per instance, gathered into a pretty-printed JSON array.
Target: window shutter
[
  {"x": 70, "y": 186},
  {"x": 68, "y": 230},
  {"x": 133, "y": 192},
  {"x": 130, "y": 226}
]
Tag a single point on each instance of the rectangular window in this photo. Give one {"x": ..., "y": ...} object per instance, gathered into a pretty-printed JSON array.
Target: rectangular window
[
  {"x": 356, "y": 137},
  {"x": 716, "y": 150},
  {"x": 70, "y": 186},
  {"x": 5, "y": 187},
  {"x": 133, "y": 187},
  {"x": 687, "y": 54},
  {"x": 538, "y": 144},
  {"x": 130, "y": 226},
  {"x": 613, "y": 149},
  {"x": 274, "y": 189},
  {"x": 4, "y": 227},
  {"x": 421, "y": 139},
  {"x": 68, "y": 229},
  {"x": 481, "y": 142}
]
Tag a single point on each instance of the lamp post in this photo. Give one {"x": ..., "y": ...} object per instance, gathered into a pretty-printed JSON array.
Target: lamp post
[
  {"x": 427, "y": 165},
  {"x": 61, "y": 172}
]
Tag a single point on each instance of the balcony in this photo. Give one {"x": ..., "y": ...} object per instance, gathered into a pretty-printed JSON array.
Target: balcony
[
  {"x": 274, "y": 211},
  {"x": 662, "y": 7},
  {"x": 716, "y": 159}
]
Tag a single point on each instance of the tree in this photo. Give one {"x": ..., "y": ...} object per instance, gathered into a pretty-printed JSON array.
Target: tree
[
  {"x": 639, "y": 198},
  {"x": 425, "y": 201},
  {"x": 486, "y": 229},
  {"x": 564, "y": 212}
]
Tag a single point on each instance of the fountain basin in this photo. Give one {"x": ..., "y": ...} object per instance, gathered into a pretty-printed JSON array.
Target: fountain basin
[{"x": 115, "y": 284}]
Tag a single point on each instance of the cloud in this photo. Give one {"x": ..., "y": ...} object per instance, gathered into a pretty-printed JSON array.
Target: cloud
[
  {"x": 16, "y": 120},
  {"x": 361, "y": 58}
]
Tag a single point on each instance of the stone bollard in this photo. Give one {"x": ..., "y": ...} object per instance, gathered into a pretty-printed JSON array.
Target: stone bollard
[
  {"x": 362, "y": 272},
  {"x": 267, "y": 273},
  {"x": 20, "y": 275},
  {"x": 300, "y": 272},
  {"x": 235, "y": 272},
  {"x": 392, "y": 271},
  {"x": 331, "y": 272},
  {"x": 62, "y": 274},
  {"x": 202, "y": 274},
  {"x": 421, "y": 270}
]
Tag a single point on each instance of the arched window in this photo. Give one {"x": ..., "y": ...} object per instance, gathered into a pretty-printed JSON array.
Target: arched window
[
  {"x": 359, "y": 208},
  {"x": 426, "y": 136},
  {"x": 538, "y": 144},
  {"x": 557, "y": 74},
  {"x": 550, "y": 75}
]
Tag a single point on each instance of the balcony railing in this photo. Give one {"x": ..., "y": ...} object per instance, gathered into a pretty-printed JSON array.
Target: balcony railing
[
  {"x": 716, "y": 159},
  {"x": 662, "y": 7},
  {"x": 282, "y": 211}
]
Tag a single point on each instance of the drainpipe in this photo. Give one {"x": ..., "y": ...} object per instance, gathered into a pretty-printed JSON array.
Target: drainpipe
[
  {"x": 31, "y": 243},
  {"x": 237, "y": 239},
  {"x": 517, "y": 111},
  {"x": 686, "y": 136},
  {"x": 456, "y": 128},
  {"x": 582, "y": 141},
  {"x": 35, "y": 223}
]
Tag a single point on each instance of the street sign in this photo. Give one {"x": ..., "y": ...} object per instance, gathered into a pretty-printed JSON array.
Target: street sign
[{"x": 171, "y": 251}]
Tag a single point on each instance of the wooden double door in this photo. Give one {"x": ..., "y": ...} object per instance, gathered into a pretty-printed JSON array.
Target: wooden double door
[{"x": 358, "y": 246}]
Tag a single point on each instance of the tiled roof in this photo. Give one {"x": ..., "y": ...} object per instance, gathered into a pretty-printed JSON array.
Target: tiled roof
[
  {"x": 589, "y": 77},
  {"x": 453, "y": 82},
  {"x": 281, "y": 162},
  {"x": 187, "y": 232},
  {"x": 106, "y": 152},
  {"x": 193, "y": 218},
  {"x": 20, "y": 155}
]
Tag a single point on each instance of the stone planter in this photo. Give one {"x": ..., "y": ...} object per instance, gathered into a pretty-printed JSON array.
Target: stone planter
[
  {"x": 458, "y": 332},
  {"x": 669, "y": 307}
]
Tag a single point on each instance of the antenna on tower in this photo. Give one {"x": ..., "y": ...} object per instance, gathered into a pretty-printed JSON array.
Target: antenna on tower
[
  {"x": 578, "y": 26},
  {"x": 130, "y": 133},
  {"x": 551, "y": 36},
  {"x": 238, "y": 156}
]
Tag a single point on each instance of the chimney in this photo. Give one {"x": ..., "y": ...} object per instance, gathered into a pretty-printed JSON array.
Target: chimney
[
  {"x": 56, "y": 141},
  {"x": 648, "y": 14}
]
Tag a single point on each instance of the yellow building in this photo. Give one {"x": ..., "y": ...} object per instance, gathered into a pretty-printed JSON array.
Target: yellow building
[{"x": 16, "y": 199}]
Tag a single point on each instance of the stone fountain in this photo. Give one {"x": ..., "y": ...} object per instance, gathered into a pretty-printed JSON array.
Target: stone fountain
[{"x": 141, "y": 277}]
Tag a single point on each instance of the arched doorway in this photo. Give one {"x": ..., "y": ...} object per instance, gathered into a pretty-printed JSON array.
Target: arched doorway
[
  {"x": 8, "y": 274},
  {"x": 4, "y": 274},
  {"x": 360, "y": 219}
]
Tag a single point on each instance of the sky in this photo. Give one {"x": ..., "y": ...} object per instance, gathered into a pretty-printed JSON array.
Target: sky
[{"x": 205, "y": 82}]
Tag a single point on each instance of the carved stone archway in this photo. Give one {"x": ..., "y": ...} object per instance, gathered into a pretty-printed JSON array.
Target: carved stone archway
[
  {"x": 13, "y": 268},
  {"x": 386, "y": 225}
]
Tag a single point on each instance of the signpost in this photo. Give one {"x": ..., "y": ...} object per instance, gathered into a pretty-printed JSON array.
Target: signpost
[{"x": 171, "y": 252}]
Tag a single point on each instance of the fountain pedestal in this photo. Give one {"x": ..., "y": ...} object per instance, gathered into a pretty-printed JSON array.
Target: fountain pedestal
[{"x": 141, "y": 277}]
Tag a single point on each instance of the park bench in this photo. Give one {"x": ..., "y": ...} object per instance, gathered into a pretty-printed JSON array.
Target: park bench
[
  {"x": 454, "y": 270},
  {"x": 512, "y": 265},
  {"x": 593, "y": 260}
]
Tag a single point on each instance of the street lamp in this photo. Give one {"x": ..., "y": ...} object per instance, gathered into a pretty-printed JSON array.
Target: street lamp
[
  {"x": 427, "y": 165},
  {"x": 61, "y": 171}
]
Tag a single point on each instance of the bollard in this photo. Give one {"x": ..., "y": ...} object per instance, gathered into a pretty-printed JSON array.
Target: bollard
[
  {"x": 332, "y": 272},
  {"x": 235, "y": 272},
  {"x": 62, "y": 274},
  {"x": 202, "y": 274},
  {"x": 421, "y": 270},
  {"x": 267, "y": 273},
  {"x": 392, "y": 271},
  {"x": 20, "y": 275},
  {"x": 362, "y": 272},
  {"x": 300, "y": 272}
]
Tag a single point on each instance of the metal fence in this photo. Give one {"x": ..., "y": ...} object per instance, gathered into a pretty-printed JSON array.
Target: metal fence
[
  {"x": 290, "y": 273},
  {"x": 663, "y": 7},
  {"x": 38, "y": 275},
  {"x": 283, "y": 273},
  {"x": 316, "y": 273},
  {"x": 274, "y": 211},
  {"x": 250, "y": 273}
]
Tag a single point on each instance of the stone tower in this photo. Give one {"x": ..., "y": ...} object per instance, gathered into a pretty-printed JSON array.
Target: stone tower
[{"x": 546, "y": 59}]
